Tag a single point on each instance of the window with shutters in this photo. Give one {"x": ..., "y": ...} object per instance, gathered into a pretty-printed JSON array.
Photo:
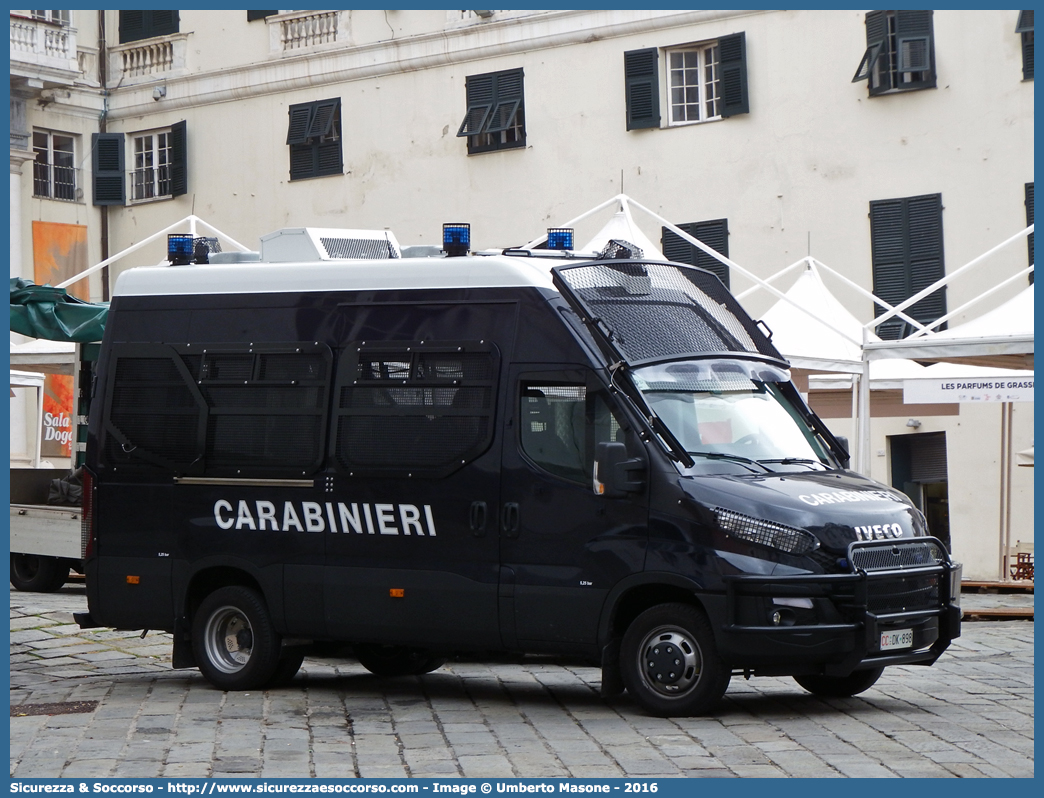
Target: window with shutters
[
  {"x": 1029, "y": 221},
  {"x": 138, "y": 25},
  {"x": 907, "y": 255},
  {"x": 150, "y": 173},
  {"x": 704, "y": 81},
  {"x": 714, "y": 233},
  {"x": 54, "y": 170},
  {"x": 314, "y": 138},
  {"x": 1024, "y": 27},
  {"x": 900, "y": 52},
  {"x": 158, "y": 165},
  {"x": 62, "y": 17},
  {"x": 694, "y": 83},
  {"x": 496, "y": 114}
]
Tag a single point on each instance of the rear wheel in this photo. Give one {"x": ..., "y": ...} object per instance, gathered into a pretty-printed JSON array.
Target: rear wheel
[
  {"x": 397, "y": 660},
  {"x": 37, "y": 574},
  {"x": 235, "y": 644},
  {"x": 670, "y": 663},
  {"x": 840, "y": 686}
]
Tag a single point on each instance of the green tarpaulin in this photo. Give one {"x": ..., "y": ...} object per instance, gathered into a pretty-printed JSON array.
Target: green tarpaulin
[{"x": 41, "y": 311}]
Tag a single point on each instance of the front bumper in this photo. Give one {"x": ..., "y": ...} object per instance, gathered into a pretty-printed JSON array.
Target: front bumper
[{"x": 833, "y": 624}]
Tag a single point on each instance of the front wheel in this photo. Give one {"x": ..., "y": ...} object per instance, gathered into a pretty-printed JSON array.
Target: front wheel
[
  {"x": 840, "y": 686},
  {"x": 397, "y": 660},
  {"x": 36, "y": 574},
  {"x": 670, "y": 663},
  {"x": 236, "y": 646}
]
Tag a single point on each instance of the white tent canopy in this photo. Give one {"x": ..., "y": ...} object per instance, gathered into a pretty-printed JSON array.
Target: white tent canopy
[
  {"x": 621, "y": 227},
  {"x": 1002, "y": 337},
  {"x": 813, "y": 330}
]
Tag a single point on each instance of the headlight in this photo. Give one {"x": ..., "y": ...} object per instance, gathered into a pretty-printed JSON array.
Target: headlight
[{"x": 767, "y": 533}]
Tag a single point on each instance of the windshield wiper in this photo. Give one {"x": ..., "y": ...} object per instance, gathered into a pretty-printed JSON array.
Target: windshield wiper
[
  {"x": 726, "y": 456},
  {"x": 792, "y": 461}
]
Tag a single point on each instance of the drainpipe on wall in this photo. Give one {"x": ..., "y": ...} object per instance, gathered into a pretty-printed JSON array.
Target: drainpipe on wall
[{"x": 103, "y": 76}]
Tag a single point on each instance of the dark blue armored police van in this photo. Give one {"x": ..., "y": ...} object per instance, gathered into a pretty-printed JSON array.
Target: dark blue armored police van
[{"x": 534, "y": 451}]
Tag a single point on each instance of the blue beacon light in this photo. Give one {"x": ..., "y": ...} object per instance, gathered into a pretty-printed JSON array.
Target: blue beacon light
[
  {"x": 456, "y": 239},
  {"x": 560, "y": 238},
  {"x": 179, "y": 249}
]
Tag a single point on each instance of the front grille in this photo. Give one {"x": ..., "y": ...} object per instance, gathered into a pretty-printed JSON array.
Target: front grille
[
  {"x": 902, "y": 594},
  {"x": 894, "y": 555}
]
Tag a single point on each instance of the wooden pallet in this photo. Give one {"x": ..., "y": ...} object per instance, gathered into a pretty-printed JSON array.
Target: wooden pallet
[
  {"x": 999, "y": 613},
  {"x": 1020, "y": 586}
]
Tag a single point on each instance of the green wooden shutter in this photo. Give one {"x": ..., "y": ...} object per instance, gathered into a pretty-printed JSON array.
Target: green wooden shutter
[
  {"x": 138, "y": 25},
  {"x": 907, "y": 256},
  {"x": 107, "y": 166},
  {"x": 713, "y": 233},
  {"x": 876, "y": 39},
  {"x": 642, "y": 88},
  {"x": 300, "y": 121},
  {"x": 132, "y": 26},
  {"x": 178, "y": 159},
  {"x": 1029, "y": 221},
  {"x": 323, "y": 119},
  {"x": 1025, "y": 27},
  {"x": 914, "y": 44},
  {"x": 508, "y": 96},
  {"x": 733, "y": 65},
  {"x": 480, "y": 93}
]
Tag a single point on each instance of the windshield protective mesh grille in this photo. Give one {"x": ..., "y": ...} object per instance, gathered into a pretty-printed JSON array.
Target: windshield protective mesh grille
[{"x": 658, "y": 310}]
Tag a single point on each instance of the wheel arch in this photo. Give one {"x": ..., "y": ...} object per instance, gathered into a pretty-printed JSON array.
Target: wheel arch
[
  {"x": 633, "y": 596},
  {"x": 210, "y": 578}
]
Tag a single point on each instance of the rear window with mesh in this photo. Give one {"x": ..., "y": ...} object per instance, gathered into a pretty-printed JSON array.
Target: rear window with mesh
[
  {"x": 222, "y": 410},
  {"x": 659, "y": 310},
  {"x": 415, "y": 409}
]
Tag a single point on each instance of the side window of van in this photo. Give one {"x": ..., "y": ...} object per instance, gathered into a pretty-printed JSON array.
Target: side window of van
[
  {"x": 414, "y": 409},
  {"x": 232, "y": 410},
  {"x": 560, "y": 425}
]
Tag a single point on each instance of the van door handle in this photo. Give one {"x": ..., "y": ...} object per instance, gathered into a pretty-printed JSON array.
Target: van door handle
[
  {"x": 509, "y": 520},
  {"x": 477, "y": 519}
]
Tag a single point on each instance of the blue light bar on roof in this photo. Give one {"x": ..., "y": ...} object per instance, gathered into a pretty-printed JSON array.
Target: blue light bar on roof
[
  {"x": 560, "y": 238},
  {"x": 456, "y": 239},
  {"x": 179, "y": 249}
]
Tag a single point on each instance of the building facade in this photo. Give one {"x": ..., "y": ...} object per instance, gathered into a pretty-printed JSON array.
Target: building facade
[{"x": 894, "y": 145}]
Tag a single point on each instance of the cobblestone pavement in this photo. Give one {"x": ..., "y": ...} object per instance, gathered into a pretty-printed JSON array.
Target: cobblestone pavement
[{"x": 970, "y": 715}]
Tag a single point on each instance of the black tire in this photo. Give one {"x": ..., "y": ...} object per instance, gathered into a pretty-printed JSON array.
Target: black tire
[
  {"x": 397, "y": 660},
  {"x": 235, "y": 644},
  {"x": 840, "y": 686},
  {"x": 670, "y": 663},
  {"x": 289, "y": 664},
  {"x": 36, "y": 574}
]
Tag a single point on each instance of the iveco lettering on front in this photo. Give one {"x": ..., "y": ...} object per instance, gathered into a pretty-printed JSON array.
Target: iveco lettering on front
[{"x": 404, "y": 459}]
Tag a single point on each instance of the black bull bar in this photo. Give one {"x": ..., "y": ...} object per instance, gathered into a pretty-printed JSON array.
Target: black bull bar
[{"x": 910, "y": 585}]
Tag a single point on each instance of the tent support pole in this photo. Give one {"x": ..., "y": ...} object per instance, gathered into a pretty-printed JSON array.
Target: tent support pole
[
  {"x": 864, "y": 411},
  {"x": 1005, "y": 491}
]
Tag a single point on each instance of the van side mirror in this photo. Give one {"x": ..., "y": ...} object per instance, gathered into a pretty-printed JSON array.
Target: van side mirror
[{"x": 614, "y": 475}]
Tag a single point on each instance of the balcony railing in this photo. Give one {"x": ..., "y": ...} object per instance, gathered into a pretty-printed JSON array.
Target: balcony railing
[
  {"x": 43, "y": 44},
  {"x": 298, "y": 30},
  {"x": 149, "y": 59},
  {"x": 55, "y": 182}
]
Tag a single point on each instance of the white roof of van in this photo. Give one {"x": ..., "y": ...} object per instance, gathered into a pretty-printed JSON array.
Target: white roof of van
[{"x": 338, "y": 275}]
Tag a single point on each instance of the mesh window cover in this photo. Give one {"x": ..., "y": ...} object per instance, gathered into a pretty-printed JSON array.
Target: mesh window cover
[
  {"x": 415, "y": 411},
  {"x": 658, "y": 310},
  {"x": 265, "y": 410},
  {"x": 153, "y": 409}
]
